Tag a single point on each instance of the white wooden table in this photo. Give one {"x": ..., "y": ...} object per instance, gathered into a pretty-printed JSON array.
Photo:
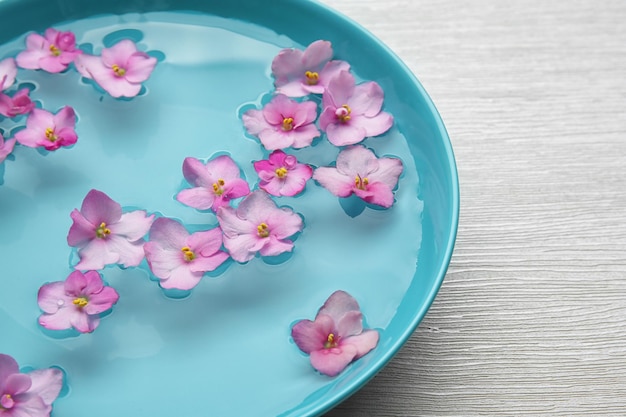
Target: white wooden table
[{"x": 531, "y": 319}]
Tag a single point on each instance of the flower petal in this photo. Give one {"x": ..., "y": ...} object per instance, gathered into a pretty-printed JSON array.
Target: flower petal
[
  {"x": 119, "y": 53},
  {"x": 274, "y": 247},
  {"x": 133, "y": 225},
  {"x": 98, "y": 207},
  {"x": 338, "y": 304},
  {"x": 95, "y": 255},
  {"x": 207, "y": 263},
  {"x": 207, "y": 242},
  {"x": 75, "y": 284},
  {"x": 182, "y": 278},
  {"x": 243, "y": 247},
  {"x": 332, "y": 361},
  {"x": 388, "y": 172},
  {"x": 16, "y": 384},
  {"x": 8, "y": 71},
  {"x": 46, "y": 383},
  {"x": 374, "y": 126},
  {"x": 88, "y": 65},
  {"x": 81, "y": 230},
  {"x": 376, "y": 193},
  {"x": 83, "y": 322},
  {"x": 130, "y": 253},
  {"x": 199, "y": 198},
  {"x": 254, "y": 121},
  {"x": 367, "y": 99},
  {"x": 61, "y": 320},
  {"x": 357, "y": 160},
  {"x": 196, "y": 173},
  {"x": 337, "y": 183},
  {"x": 344, "y": 134},
  {"x": 223, "y": 167},
  {"x": 363, "y": 342},
  {"x": 312, "y": 335},
  {"x": 50, "y": 295},
  {"x": 168, "y": 233},
  {"x": 350, "y": 324},
  {"x": 287, "y": 65},
  {"x": 8, "y": 366},
  {"x": 340, "y": 89},
  {"x": 317, "y": 54},
  {"x": 162, "y": 261},
  {"x": 101, "y": 301},
  {"x": 139, "y": 67}
]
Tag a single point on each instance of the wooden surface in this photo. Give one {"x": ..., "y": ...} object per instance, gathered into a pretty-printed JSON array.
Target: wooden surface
[{"x": 531, "y": 318}]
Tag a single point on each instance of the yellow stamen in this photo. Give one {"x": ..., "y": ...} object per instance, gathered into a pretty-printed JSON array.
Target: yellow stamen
[
  {"x": 217, "y": 187},
  {"x": 331, "y": 342},
  {"x": 288, "y": 124},
  {"x": 54, "y": 50},
  {"x": 312, "y": 78},
  {"x": 50, "y": 134},
  {"x": 80, "y": 302},
  {"x": 281, "y": 172},
  {"x": 102, "y": 231},
  {"x": 262, "y": 230},
  {"x": 343, "y": 113},
  {"x": 189, "y": 255},
  {"x": 119, "y": 71},
  {"x": 361, "y": 183}
]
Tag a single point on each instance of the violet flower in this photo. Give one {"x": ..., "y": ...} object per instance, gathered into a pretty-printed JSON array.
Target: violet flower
[
  {"x": 352, "y": 112},
  {"x": 282, "y": 175},
  {"x": 214, "y": 183},
  {"x": 104, "y": 235},
  {"x": 27, "y": 394},
  {"x": 6, "y": 147},
  {"x": 19, "y": 104},
  {"x": 120, "y": 70},
  {"x": 258, "y": 225},
  {"x": 52, "y": 52},
  {"x": 47, "y": 130},
  {"x": 360, "y": 172},
  {"x": 180, "y": 259},
  {"x": 283, "y": 123},
  {"x": 76, "y": 302},
  {"x": 299, "y": 73},
  {"x": 336, "y": 337}
]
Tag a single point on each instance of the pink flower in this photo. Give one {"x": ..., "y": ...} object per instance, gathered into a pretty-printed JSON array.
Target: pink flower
[
  {"x": 8, "y": 71},
  {"x": 50, "y": 131},
  {"x": 30, "y": 394},
  {"x": 19, "y": 104},
  {"x": 6, "y": 147},
  {"x": 352, "y": 112},
  {"x": 336, "y": 337},
  {"x": 358, "y": 171},
  {"x": 180, "y": 259},
  {"x": 76, "y": 302},
  {"x": 104, "y": 235},
  {"x": 282, "y": 175},
  {"x": 52, "y": 52},
  {"x": 283, "y": 123},
  {"x": 120, "y": 70},
  {"x": 258, "y": 225},
  {"x": 298, "y": 73},
  {"x": 214, "y": 184}
]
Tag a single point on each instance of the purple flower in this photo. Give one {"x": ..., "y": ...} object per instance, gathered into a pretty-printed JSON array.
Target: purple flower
[
  {"x": 120, "y": 70},
  {"x": 104, "y": 235},
  {"x": 76, "y": 302},
  {"x": 180, "y": 259},
  {"x": 258, "y": 225},
  {"x": 214, "y": 184},
  {"x": 282, "y": 175},
  {"x": 47, "y": 130},
  {"x": 336, "y": 337},
  {"x": 358, "y": 171},
  {"x": 6, "y": 147},
  {"x": 19, "y": 104},
  {"x": 52, "y": 52},
  {"x": 8, "y": 71},
  {"x": 30, "y": 394},
  {"x": 299, "y": 73},
  {"x": 352, "y": 112},
  {"x": 283, "y": 123}
]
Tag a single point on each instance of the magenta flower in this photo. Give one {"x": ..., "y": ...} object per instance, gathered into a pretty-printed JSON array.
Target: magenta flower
[
  {"x": 27, "y": 394},
  {"x": 104, "y": 235},
  {"x": 359, "y": 172},
  {"x": 8, "y": 71},
  {"x": 47, "y": 130},
  {"x": 352, "y": 112},
  {"x": 52, "y": 52},
  {"x": 214, "y": 184},
  {"x": 120, "y": 70},
  {"x": 336, "y": 337},
  {"x": 180, "y": 259},
  {"x": 299, "y": 73},
  {"x": 76, "y": 302},
  {"x": 258, "y": 225},
  {"x": 6, "y": 147},
  {"x": 283, "y": 123},
  {"x": 282, "y": 175},
  {"x": 19, "y": 104}
]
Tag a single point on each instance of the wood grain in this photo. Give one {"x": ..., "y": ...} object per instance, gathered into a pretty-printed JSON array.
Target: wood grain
[{"x": 531, "y": 319}]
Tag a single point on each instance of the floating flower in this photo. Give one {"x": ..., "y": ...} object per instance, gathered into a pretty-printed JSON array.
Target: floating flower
[
  {"x": 27, "y": 394},
  {"x": 6, "y": 147},
  {"x": 8, "y": 71},
  {"x": 258, "y": 225},
  {"x": 359, "y": 171},
  {"x": 214, "y": 183},
  {"x": 299, "y": 73},
  {"x": 282, "y": 175},
  {"x": 352, "y": 112},
  {"x": 47, "y": 130},
  {"x": 120, "y": 70},
  {"x": 104, "y": 235},
  {"x": 52, "y": 52},
  {"x": 76, "y": 302},
  {"x": 19, "y": 104},
  {"x": 336, "y": 337},
  {"x": 180, "y": 259},
  {"x": 283, "y": 123}
]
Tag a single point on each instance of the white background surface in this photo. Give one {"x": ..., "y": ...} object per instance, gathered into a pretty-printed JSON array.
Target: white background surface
[{"x": 531, "y": 318}]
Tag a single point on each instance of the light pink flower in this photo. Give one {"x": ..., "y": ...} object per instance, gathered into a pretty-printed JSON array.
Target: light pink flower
[
  {"x": 19, "y": 104},
  {"x": 76, "y": 302},
  {"x": 27, "y": 394},
  {"x": 283, "y": 123},
  {"x": 214, "y": 183},
  {"x": 47, "y": 130},
  {"x": 352, "y": 112},
  {"x": 104, "y": 235},
  {"x": 299, "y": 73},
  {"x": 282, "y": 175},
  {"x": 359, "y": 171},
  {"x": 258, "y": 225},
  {"x": 6, "y": 147},
  {"x": 120, "y": 70},
  {"x": 180, "y": 259},
  {"x": 52, "y": 52},
  {"x": 8, "y": 71},
  {"x": 336, "y": 337}
]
